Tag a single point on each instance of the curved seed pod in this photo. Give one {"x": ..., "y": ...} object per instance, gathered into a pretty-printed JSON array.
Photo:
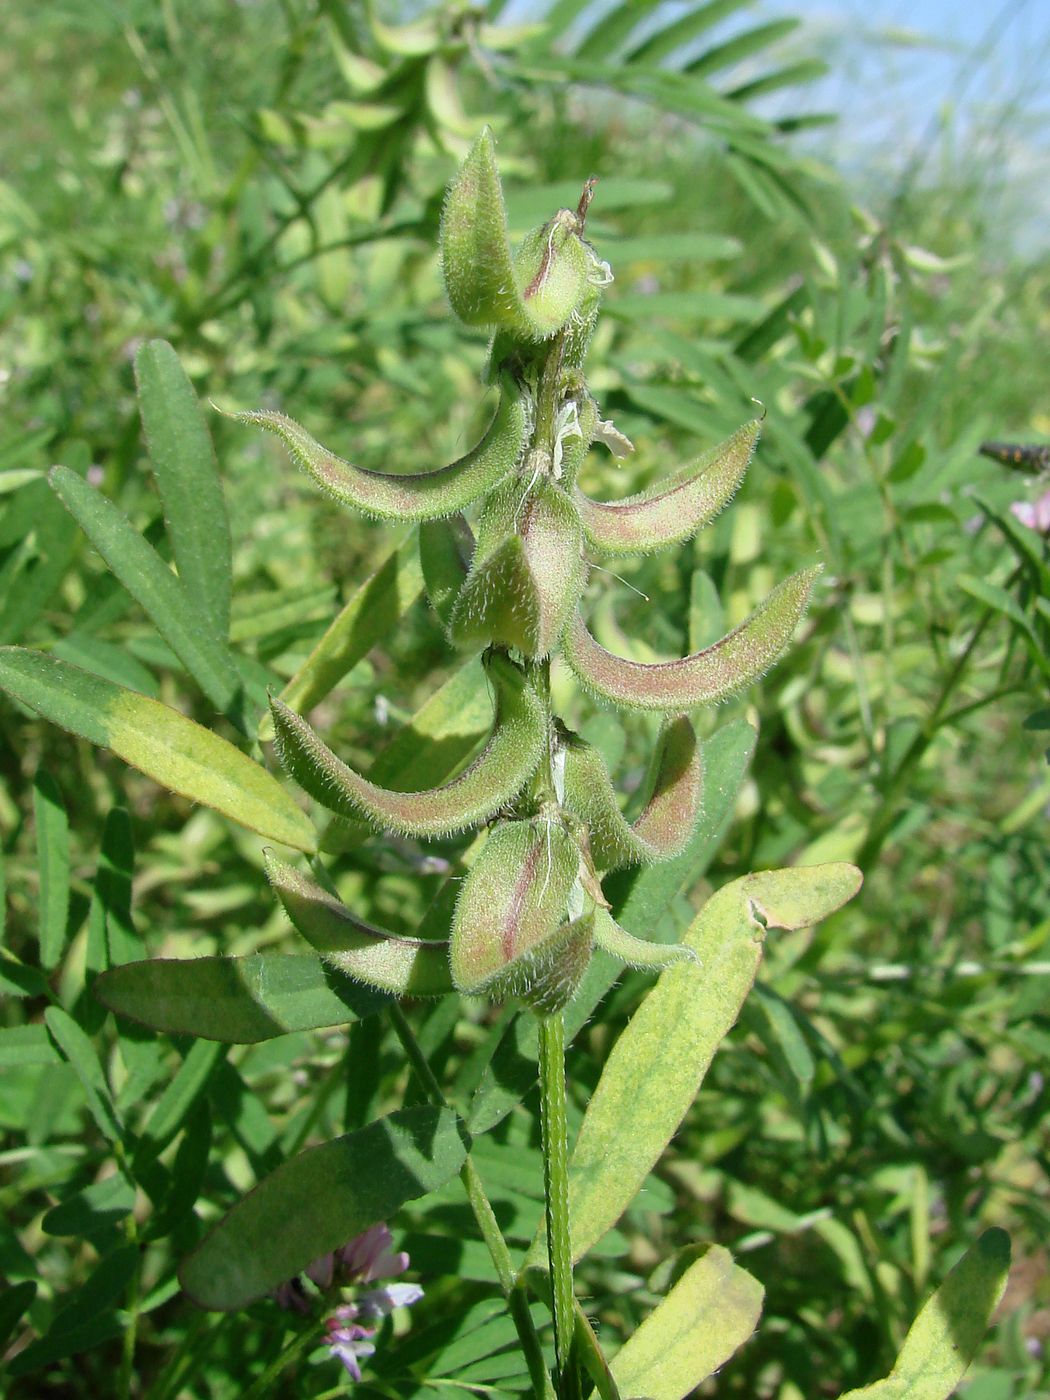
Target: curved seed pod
[
  {"x": 532, "y": 295},
  {"x": 636, "y": 952},
  {"x": 404, "y": 966},
  {"x": 512, "y": 905},
  {"x": 528, "y": 570},
  {"x": 446, "y": 548},
  {"x": 496, "y": 776},
  {"x": 665, "y": 826},
  {"x": 422, "y": 495},
  {"x": 709, "y": 675},
  {"x": 670, "y": 511},
  {"x": 548, "y": 980}
]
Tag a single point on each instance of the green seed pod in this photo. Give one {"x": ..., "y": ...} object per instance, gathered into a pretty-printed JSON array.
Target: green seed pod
[
  {"x": 636, "y": 952},
  {"x": 497, "y": 775},
  {"x": 549, "y": 980},
  {"x": 512, "y": 908},
  {"x": 421, "y": 495},
  {"x": 669, "y": 512},
  {"x": 705, "y": 677},
  {"x": 404, "y": 966},
  {"x": 531, "y": 296},
  {"x": 671, "y": 810},
  {"x": 528, "y": 570}
]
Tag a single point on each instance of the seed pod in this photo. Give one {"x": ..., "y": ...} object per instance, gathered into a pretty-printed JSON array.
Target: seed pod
[
  {"x": 528, "y": 570},
  {"x": 421, "y": 495},
  {"x": 530, "y": 296},
  {"x": 404, "y": 966},
  {"x": 636, "y": 952},
  {"x": 707, "y": 676},
  {"x": 550, "y": 978},
  {"x": 669, "y": 512},
  {"x": 671, "y": 811},
  {"x": 497, "y": 775},
  {"x": 512, "y": 907}
]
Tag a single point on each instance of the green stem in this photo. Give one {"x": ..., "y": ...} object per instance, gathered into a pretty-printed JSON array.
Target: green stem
[
  {"x": 556, "y": 1190},
  {"x": 513, "y": 1290},
  {"x": 302, "y": 1342}
]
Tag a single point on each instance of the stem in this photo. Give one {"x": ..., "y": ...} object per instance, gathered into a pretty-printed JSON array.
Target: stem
[
  {"x": 556, "y": 1189},
  {"x": 513, "y": 1290},
  {"x": 301, "y": 1343}
]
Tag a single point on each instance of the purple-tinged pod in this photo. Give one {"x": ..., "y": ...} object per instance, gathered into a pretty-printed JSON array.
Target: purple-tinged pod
[
  {"x": 671, "y": 811},
  {"x": 421, "y": 495},
  {"x": 707, "y": 676},
  {"x": 528, "y": 570},
  {"x": 636, "y": 952},
  {"x": 410, "y": 967},
  {"x": 511, "y": 910},
  {"x": 549, "y": 980},
  {"x": 497, "y": 775},
  {"x": 531, "y": 296},
  {"x": 670, "y": 511}
]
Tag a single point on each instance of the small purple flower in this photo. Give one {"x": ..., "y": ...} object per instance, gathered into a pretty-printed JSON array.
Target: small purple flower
[
  {"x": 347, "y": 1340},
  {"x": 368, "y": 1256},
  {"x": 1034, "y": 514}
]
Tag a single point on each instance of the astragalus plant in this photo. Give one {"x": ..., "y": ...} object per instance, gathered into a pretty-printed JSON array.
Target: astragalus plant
[{"x": 529, "y": 920}]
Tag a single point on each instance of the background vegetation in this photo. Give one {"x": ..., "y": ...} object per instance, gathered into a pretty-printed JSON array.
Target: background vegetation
[{"x": 260, "y": 184}]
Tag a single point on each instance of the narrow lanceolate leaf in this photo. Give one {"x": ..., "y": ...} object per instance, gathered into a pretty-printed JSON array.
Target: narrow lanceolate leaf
[
  {"x": 709, "y": 675},
  {"x": 52, "y": 847},
  {"x": 371, "y": 613},
  {"x": 527, "y": 572},
  {"x": 422, "y": 495},
  {"x": 636, "y": 952},
  {"x": 160, "y": 742},
  {"x": 238, "y": 1001},
  {"x": 496, "y": 776},
  {"x": 660, "y": 1060},
  {"x": 710, "y": 1312},
  {"x": 531, "y": 296},
  {"x": 151, "y": 583},
  {"x": 512, "y": 906},
  {"x": 77, "y": 1048},
  {"x": 944, "y": 1338},
  {"x": 319, "y": 1200},
  {"x": 405, "y": 966},
  {"x": 670, "y": 511},
  {"x": 666, "y": 824},
  {"x": 183, "y": 460}
]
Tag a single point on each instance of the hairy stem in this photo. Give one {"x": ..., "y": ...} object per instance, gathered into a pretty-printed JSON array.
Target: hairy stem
[{"x": 556, "y": 1191}]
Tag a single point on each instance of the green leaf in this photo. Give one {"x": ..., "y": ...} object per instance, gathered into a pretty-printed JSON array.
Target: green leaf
[
  {"x": 236, "y": 1000},
  {"x": 446, "y": 548},
  {"x": 79, "y": 1051},
  {"x": 183, "y": 461},
  {"x": 370, "y": 615},
  {"x": 319, "y": 1200},
  {"x": 494, "y": 778},
  {"x": 151, "y": 583},
  {"x": 946, "y": 1335},
  {"x": 704, "y": 677},
  {"x": 710, "y": 1312},
  {"x": 160, "y": 742},
  {"x": 659, "y": 1062},
  {"x": 13, "y": 1303},
  {"x": 178, "y": 1100},
  {"x": 52, "y": 844},
  {"x": 415, "y": 496},
  {"x": 98, "y": 1207},
  {"x": 26, "y": 1045}
]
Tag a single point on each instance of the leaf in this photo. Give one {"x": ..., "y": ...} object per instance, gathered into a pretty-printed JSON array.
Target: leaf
[
  {"x": 659, "y": 1062},
  {"x": 710, "y": 1312},
  {"x": 52, "y": 843},
  {"x": 26, "y": 1045},
  {"x": 670, "y": 511},
  {"x": 319, "y": 1200},
  {"x": 178, "y": 1100},
  {"x": 946, "y": 1335},
  {"x": 160, "y": 742},
  {"x": 98, "y": 1207},
  {"x": 236, "y": 1000},
  {"x": 79, "y": 1051},
  {"x": 415, "y": 496},
  {"x": 446, "y": 548},
  {"x": 14, "y": 1301},
  {"x": 494, "y": 778},
  {"x": 152, "y": 584},
  {"x": 370, "y": 614},
  {"x": 704, "y": 677},
  {"x": 404, "y": 966},
  {"x": 183, "y": 461}
]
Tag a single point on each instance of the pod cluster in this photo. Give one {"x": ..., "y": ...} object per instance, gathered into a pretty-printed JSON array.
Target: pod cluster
[{"x": 531, "y": 907}]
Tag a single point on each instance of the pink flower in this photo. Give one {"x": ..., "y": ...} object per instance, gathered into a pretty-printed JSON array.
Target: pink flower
[
  {"x": 347, "y": 1340},
  {"x": 1034, "y": 514}
]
